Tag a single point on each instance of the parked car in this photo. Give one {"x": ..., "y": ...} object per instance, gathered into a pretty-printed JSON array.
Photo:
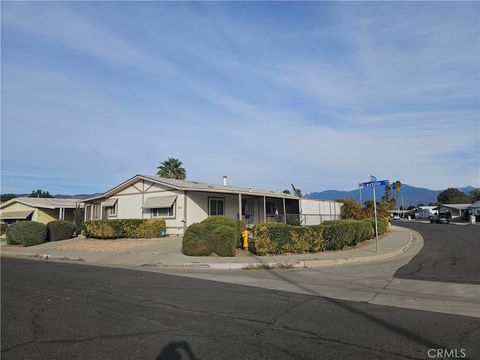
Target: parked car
[
  {"x": 442, "y": 219},
  {"x": 433, "y": 218},
  {"x": 396, "y": 217}
]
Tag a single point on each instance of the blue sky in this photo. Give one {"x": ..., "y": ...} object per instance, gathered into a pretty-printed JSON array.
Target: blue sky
[{"x": 318, "y": 94}]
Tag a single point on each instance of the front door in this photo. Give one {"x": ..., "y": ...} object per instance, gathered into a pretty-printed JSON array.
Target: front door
[{"x": 250, "y": 211}]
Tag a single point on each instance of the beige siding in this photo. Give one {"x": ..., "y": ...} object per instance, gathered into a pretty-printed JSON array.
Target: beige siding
[
  {"x": 197, "y": 205},
  {"x": 47, "y": 215},
  {"x": 17, "y": 207}
]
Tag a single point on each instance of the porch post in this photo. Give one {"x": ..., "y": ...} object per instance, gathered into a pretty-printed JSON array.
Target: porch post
[
  {"x": 239, "y": 206},
  {"x": 185, "y": 211},
  {"x": 264, "y": 209},
  {"x": 284, "y": 212}
]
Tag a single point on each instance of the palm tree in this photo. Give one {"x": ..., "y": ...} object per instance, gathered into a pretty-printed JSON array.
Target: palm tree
[
  {"x": 388, "y": 194},
  {"x": 172, "y": 169},
  {"x": 396, "y": 187}
]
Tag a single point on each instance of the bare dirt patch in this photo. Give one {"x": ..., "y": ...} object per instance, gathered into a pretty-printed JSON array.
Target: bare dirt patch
[{"x": 92, "y": 245}]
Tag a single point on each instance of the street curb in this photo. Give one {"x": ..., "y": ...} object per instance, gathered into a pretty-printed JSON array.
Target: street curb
[
  {"x": 42, "y": 256},
  {"x": 358, "y": 259}
]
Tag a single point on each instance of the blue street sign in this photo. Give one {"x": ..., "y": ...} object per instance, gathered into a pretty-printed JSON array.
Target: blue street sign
[
  {"x": 371, "y": 184},
  {"x": 373, "y": 178}
]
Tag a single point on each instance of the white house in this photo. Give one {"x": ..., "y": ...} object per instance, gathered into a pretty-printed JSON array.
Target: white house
[{"x": 182, "y": 203}]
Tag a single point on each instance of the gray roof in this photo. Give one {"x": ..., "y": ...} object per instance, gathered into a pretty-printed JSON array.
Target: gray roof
[
  {"x": 475, "y": 205},
  {"x": 195, "y": 186},
  {"x": 46, "y": 203},
  {"x": 454, "y": 206}
]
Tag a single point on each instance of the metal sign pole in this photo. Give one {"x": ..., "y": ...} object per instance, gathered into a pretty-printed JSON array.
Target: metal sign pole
[{"x": 376, "y": 225}]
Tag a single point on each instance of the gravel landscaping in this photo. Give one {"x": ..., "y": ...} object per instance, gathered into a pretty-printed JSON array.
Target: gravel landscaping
[{"x": 92, "y": 245}]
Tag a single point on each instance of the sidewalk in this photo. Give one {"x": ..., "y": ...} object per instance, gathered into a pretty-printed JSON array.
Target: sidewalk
[{"x": 166, "y": 253}]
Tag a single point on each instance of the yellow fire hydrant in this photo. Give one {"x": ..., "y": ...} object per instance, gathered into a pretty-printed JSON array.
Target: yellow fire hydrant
[{"x": 245, "y": 239}]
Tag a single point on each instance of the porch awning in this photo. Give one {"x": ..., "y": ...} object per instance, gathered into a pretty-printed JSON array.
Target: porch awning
[
  {"x": 159, "y": 202},
  {"x": 14, "y": 215},
  {"x": 109, "y": 202}
]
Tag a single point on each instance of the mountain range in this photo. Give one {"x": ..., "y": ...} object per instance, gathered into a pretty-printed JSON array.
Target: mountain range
[{"x": 411, "y": 195}]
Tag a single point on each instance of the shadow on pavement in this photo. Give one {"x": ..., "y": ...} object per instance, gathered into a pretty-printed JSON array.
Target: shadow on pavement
[{"x": 177, "y": 350}]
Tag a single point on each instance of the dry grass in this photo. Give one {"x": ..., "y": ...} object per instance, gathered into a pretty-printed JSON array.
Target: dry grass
[{"x": 92, "y": 245}]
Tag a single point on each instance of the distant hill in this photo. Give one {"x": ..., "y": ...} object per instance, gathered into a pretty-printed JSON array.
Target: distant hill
[
  {"x": 59, "y": 196},
  {"x": 411, "y": 195}
]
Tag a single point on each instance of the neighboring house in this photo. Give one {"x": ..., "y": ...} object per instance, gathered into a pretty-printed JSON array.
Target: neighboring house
[
  {"x": 42, "y": 210},
  {"x": 456, "y": 211},
  {"x": 474, "y": 210},
  {"x": 182, "y": 203}
]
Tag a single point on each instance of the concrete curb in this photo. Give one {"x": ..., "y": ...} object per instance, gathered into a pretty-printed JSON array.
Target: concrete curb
[{"x": 42, "y": 256}]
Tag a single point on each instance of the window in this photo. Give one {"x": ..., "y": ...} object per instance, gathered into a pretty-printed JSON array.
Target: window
[
  {"x": 270, "y": 207},
  {"x": 112, "y": 210},
  {"x": 162, "y": 212},
  {"x": 215, "y": 206}
]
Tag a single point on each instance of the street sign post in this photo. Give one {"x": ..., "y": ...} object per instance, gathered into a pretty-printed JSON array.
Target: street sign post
[{"x": 373, "y": 184}]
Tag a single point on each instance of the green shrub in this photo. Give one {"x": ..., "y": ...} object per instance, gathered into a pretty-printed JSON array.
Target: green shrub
[
  {"x": 194, "y": 241},
  {"x": 26, "y": 233},
  {"x": 382, "y": 224},
  {"x": 60, "y": 230},
  {"x": 151, "y": 228},
  {"x": 119, "y": 228},
  {"x": 3, "y": 229},
  {"x": 223, "y": 240},
  {"x": 78, "y": 216},
  {"x": 275, "y": 238},
  {"x": 198, "y": 239},
  {"x": 340, "y": 233}
]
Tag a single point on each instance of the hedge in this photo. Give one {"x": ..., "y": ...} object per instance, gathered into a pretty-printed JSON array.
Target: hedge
[
  {"x": 124, "y": 228},
  {"x": 60, "y": 230},
  {"x": 210, "y": 235},
  {"x": 3, "y": 228},
  {"x": 274, "y": 238},
  {"x": 194, "y": 242},
  {"x": 26, "y": 233},
  {"x": 382, "y": 224},
  {"x": 223, "y": 240}
]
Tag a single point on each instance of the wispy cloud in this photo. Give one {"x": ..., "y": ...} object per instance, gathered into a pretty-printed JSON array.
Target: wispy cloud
[{"x": 321, "y": 97}]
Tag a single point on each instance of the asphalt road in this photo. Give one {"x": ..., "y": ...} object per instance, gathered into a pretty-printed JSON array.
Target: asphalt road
[
  {"x": 68, "y": 311},
  {"x": 451, "y": 253}
]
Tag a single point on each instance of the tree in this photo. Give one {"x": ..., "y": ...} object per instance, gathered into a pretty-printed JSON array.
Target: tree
[
  {"x": 453, "y": 196},
  {"x": 40, "y": 194},
  {"x": 286, "y": 192},
  {"x": 474, "y": 195},
  {"x": 396, "y": 187},
  {"x": 6, "y": 197},
  {"x": 421, "y": 204},
  {"x": 388, "y": 194},
  {"x": 298, "y": 193},
  {"x": 350, "y": 209},
  {"x": 172, "y": 169}
]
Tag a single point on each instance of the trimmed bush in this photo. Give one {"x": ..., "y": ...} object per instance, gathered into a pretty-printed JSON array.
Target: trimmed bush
[
  {"x": 124, "y": 228},
  {"x": 382, "y": 224},
  {"x": 275, "y": 238},
  {"x": 60, "y": 230},
  {"x": 223, "y": 240},
  {"x": 199, "y": 239},
  {"x": 26, "y": 233},
  {"x": 194, "y": 241},
  {"x": 151, "y": 228}
]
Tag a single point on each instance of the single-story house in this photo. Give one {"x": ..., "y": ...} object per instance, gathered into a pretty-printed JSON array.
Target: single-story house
[
  {"x": 42, "y": 210},
  {"x": 182, "y": 203},
  {"x": 456, "y": 211},
  {"x": 474, "y": 210}
]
